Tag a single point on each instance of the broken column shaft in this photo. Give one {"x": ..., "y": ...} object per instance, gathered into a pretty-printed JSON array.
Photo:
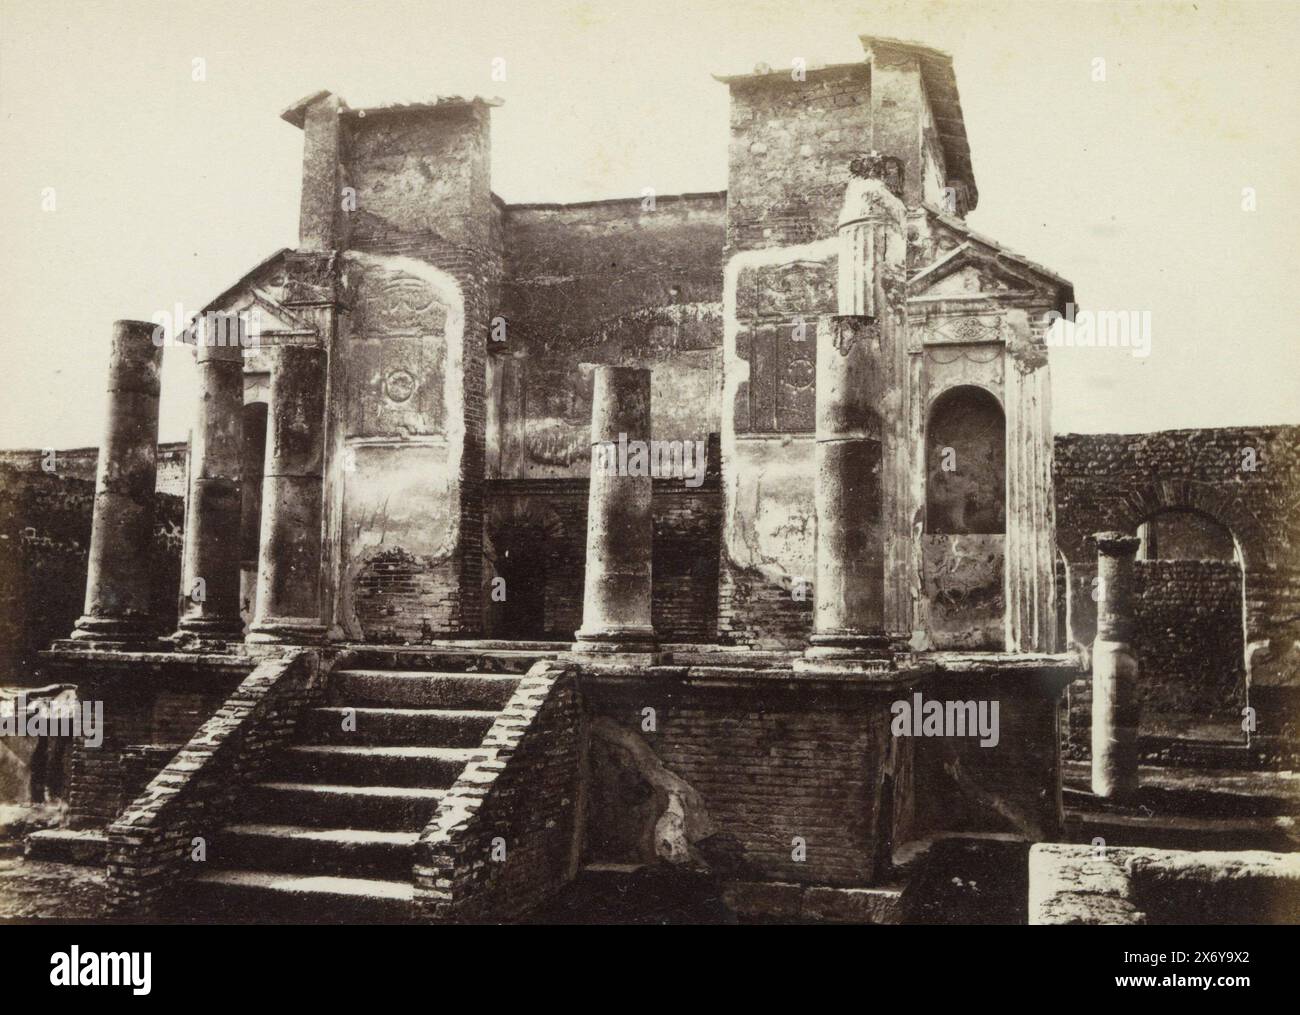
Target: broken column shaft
[
  {"x": 1115, "y": 707},
  {"x": 119, "y": 575},
  {"x": 289, "y": 549},
  {"x": 617, "y": 586},
  {"x": 210, "y": 562}
]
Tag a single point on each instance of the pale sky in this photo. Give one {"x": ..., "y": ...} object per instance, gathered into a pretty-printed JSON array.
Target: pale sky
[{"x": 168, "y": 189}]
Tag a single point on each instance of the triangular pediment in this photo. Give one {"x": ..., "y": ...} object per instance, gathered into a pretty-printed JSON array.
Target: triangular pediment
[
  {"x": 261, "y": 293},
  {"x": 971, "y": 270},
  {"x": 949, "y": 260}
]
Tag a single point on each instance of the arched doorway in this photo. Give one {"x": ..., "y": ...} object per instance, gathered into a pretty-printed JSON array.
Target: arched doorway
[
  {"x": 1191, "y": 631},
  {"x": 532, "y": 571}
]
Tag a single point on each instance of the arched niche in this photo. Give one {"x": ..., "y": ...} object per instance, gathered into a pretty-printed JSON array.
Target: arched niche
[{"x": 966, "y": 463}]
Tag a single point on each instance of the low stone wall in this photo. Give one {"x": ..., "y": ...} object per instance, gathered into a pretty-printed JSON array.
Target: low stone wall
[
  {"x": 151, "y": 845},
  {"x": 1096, "y": 885},
  {"x": 150, "y": 700},
  {"x": 503, "y": 839},
  {"x": 45, "y": 522}
]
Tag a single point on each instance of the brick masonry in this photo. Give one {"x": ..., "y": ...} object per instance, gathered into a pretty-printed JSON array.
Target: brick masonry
[
  {"x": 150, "y": 843},
  {"x": 504, "y": 837},
  {"x": 549, "y": 518}
]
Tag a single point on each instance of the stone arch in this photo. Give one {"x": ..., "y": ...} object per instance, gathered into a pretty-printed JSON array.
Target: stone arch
[
  {"x": 1205, "y": 499},
  {"x": 965, "y": 444},
  {"x": 1179, "y": 533}
]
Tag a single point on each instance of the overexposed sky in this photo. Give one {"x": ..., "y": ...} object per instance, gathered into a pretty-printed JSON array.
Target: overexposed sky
[{"x": 168, "y": 189}]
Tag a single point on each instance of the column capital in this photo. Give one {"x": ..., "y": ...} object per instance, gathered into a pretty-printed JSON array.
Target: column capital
[{"x": 1116, "y": 544}]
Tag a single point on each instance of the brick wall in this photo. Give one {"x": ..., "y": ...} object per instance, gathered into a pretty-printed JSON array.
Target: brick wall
[
  {"x": 1191, "y": 614},
  {"x": 765, "y": 762},
  {"x": 82, "y": 463},
  {"x": 791, "y": 144},
  {"x": 756, "y": 611},
  {"x": 424, "y": 191},
  {"x": 552, "y": 515},
  {"x": 152, "y": 703}
]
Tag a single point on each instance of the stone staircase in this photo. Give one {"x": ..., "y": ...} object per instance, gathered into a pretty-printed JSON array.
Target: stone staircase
[{"x": 329, "y": 833}]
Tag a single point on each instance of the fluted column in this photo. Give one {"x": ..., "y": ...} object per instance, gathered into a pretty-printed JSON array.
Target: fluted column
[
  {"x": 210, "y": 561},
  {"x": 119, "y": 575},
  {"x": 1115, "y": 707},
  {"x": 289, "y": 555},
  {"x": 617, "y": 587}
]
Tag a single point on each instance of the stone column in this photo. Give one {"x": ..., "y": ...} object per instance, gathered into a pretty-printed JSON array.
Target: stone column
[
  {"x": 119, "y": 576},
  {"x": 848, "y": 621},
  {"x": 210, "y": 561},
  {"x": 1115, "y": 708},
  {"x": 617, "y": 591},
  {"x": 289, "y": 556},
  {"x": 860, "y": 374}
]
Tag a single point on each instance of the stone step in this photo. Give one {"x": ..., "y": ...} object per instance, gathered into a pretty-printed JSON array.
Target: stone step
[
  {"x": 349, "y": 852},
  {"x": 270, "y": 897},
  {"x": 320, "y": 805},
  {"x": 66, "y": 845},
  {"x": 421, "y": 689},
  {"x": 1191, "y": 792},
  {"x": 449, "y": 727},
  {"x": 446, "y": 661},
  {"x": 1164, "y": 831},
  {"x": 368, "y": 765}
]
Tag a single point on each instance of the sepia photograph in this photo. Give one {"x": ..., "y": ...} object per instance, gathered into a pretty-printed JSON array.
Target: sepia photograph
[{"x": 643, "y": 462}]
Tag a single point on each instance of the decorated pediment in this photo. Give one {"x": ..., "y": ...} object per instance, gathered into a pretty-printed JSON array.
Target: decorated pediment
[
  {"x": 969, "y": 271},
  {"x": 273, "y": 295}
]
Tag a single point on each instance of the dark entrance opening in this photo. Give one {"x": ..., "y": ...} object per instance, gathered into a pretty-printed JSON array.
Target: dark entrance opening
[{"x": 523, "y": 565}]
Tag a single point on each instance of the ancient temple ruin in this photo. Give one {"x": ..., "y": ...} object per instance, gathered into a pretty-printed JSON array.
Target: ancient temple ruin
[{"x": 444, "y": 650}]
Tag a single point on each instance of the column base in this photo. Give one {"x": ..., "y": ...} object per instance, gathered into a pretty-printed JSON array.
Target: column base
[
  {"x": 113, "y": 633},
  {"x": 214, "y": 627},
  {"x": 630, "y": 646},
  {"x": 850, "y": 653},
  {"x": 285, "y": 631},
  {"x": 208, "y": 634}
]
